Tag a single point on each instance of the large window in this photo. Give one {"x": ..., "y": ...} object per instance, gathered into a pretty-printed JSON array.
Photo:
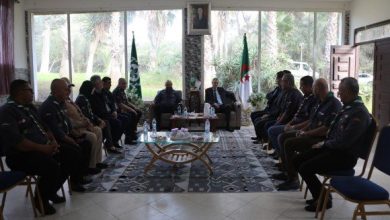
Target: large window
[
  {"x": 328, "y": 34},
  {"x": 223, "y": 49},
  {"x": 158, "y": 36},
  {"x": 97, "y": 42},
  {"x": 50, "y": 51},
  {"x": 297, "y": 41},
  {"x": 286, "y": 43},
  {"x": 97, "y": 46}
]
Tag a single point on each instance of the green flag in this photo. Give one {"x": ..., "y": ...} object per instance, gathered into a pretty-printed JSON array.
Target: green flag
[
  {"x": 245, "y": 80},
  {"x": 135, "y": 81}
]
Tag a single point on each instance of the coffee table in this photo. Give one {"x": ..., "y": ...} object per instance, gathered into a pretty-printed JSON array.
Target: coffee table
[
  {"x": 180, "y": 151},
  {"x": 197, "y": 118}
]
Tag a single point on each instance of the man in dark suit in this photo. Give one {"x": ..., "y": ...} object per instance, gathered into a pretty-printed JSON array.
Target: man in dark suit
[
  {"x": 200, "y": 20},
  {"x": 166, "y": 101},
  {"x": 217, "y": 97}
]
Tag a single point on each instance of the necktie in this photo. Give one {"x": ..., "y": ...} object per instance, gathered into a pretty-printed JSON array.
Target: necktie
[{"x": 215, "y": 96}]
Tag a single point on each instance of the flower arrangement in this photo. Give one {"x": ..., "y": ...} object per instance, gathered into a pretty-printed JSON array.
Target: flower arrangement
[{"x": 257, "y": 100}]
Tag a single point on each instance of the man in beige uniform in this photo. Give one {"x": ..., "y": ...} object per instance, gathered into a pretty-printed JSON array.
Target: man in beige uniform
[{"x": 82, "y": 126}]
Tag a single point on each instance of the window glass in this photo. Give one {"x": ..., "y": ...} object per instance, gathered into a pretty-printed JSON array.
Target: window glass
[
  {"x": 158, "y": 38},
  {"x": 50, "y": 52}
]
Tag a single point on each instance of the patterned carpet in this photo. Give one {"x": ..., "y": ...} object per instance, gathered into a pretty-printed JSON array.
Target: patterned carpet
[{"x": 238, "y": 166}]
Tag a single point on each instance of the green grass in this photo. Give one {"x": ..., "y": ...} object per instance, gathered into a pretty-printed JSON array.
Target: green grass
[{"x": 151, "y": 83}]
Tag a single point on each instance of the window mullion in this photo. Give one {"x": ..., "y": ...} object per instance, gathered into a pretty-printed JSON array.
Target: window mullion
[{"x": 69, "y": 49}]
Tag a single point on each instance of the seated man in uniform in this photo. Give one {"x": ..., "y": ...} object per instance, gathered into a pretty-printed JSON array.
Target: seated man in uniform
[
  {"x": 288, "y": 106},
  {"x": 166, "y": 101},
  {"x": 32, "y": 148},
  {"x": 340, "y": 149},
  {"x": 271, "y": 98},
  {"x": 124, "y": 105},
  {"x": 275, "y": 106},
  {"x": 217, "y": 97},
  {"x": 127, "y": 120},
  {"x": 52, "y": 112},
  {"x": 302, "y": 114},
  {"x": 300, "y": 137},
  {"x": 102, "y": 108}
]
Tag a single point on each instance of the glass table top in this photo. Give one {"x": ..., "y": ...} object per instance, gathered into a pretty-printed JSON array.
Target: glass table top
[{"x": 167, "y": 138}]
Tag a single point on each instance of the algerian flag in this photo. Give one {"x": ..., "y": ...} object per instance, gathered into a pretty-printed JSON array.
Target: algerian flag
[
  {"x": 135, "y": 82},
  {"x": 245, "y": 81}
]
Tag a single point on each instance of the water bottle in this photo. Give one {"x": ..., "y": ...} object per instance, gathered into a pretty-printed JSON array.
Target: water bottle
[
  {"x": 146, "y": 128},
  {"x": 207, "y": 126},
  {"x": 185, "y": 113},
  {"x": 154, "y": 126},
  {"x": 212, "y": 112}
]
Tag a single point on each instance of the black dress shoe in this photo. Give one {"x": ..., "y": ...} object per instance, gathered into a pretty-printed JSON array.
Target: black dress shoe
[
  {"x": 118, "y": 146},
  {"x": 93, "y": 171},
  {"x": 229, "y": 129},
  {"x": 288, "y": 185},
  {"x": 47, "y": 208},
  {"x": 280, "y": 176},
  {"x": 313, "y": 207},
  {"x": 57, "y": 199},
  {"x": 310, "y": 201},
  {"x": 113, "y": 151},
  {"x": 101, "y": 165},
  {"x": 254, "y": 138},
  {"x": 130, "y": 142},
  {"x": 86, "y": 180},
  {"x": 256, "y": 142},
  {"x": 77, "y": 187}
]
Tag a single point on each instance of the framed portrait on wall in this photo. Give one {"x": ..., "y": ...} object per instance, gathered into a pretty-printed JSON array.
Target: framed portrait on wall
[{"x": 198, "y": 18}]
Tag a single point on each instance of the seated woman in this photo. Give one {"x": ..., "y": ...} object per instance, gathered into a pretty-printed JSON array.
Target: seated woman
[{"x": 84, "y": 104}]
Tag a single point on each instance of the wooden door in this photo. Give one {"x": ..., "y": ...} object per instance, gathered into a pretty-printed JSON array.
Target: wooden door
[
  {"x": 343, "y": 63},
  {"x": 382, "y": 82}
]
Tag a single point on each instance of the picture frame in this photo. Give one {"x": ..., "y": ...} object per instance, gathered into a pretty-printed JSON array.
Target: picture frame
[{"x": 198, "y": 18}]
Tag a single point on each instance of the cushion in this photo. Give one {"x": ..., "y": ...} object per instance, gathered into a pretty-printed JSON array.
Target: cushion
[
  {"x": 10, "y": 178},
  {"x": 358, "y": 188},
  {"x": 349, "y": 172}
]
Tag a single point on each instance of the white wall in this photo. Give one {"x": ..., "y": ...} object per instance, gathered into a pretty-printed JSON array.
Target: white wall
[
  {"x": 20, "y": 36},
  {"x": 366, "y": 12},
  {"x": 77, "y": 5}
]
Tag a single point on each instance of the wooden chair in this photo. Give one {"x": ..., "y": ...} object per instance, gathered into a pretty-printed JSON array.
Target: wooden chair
[
  {"x": 367, "y": 141},
  {"x": 364, "y": 191}
]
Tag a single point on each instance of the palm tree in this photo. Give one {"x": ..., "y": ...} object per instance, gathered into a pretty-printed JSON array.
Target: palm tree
[
  {"x": 46, "y": 34},
  {"x": 271, "y": 34},
  {"x": 157, "y": 23},
  {"x": 95, "y": 28},
  {"x": 114, "y": 69}
]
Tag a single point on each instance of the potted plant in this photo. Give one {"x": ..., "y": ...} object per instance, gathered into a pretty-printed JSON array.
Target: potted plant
[{"x": 257, "y": 100}]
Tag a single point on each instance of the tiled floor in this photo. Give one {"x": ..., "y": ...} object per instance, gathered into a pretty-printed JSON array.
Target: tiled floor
[{"x": 183, "y": 206}]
